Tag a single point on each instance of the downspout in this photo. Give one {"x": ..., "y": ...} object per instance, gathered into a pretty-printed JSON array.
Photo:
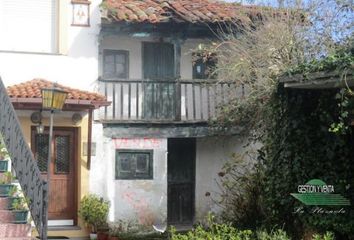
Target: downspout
[{"x": 89, "y": 139}]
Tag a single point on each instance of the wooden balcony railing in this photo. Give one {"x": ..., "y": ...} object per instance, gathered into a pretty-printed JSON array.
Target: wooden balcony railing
[{"x": 166, "y": 101}]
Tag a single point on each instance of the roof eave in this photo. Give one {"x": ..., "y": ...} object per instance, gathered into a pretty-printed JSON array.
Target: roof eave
[
  {"x": 319, "y": 80},
  {"x": 29, "y": 103}
]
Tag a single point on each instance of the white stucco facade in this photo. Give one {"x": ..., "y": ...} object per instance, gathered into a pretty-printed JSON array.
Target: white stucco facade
[
  {"x": 142, "y": 202},
  {"x": 78, "y": 65},
  {"x": 212, "y": 154},
  {"x": 134, "y": 46},
  {"x": 75, "y": 64},
  {"x": 145, "y": 201}
]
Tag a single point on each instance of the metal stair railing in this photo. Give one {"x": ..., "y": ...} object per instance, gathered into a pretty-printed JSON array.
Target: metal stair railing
[{"x": 23, "y": 162}]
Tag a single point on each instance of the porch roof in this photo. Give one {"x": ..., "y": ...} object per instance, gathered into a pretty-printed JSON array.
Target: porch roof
[
  {"x": 187, "y": 11},
  {"x": 318, "y": 80},
  {"x": 28, "y": 95}
]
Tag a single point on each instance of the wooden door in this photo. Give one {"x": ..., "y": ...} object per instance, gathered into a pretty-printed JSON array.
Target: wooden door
[
  {"x": 160, "y": 91},
  {"x": 62, "y": 199},
  {"x": 181, "y": 180}
]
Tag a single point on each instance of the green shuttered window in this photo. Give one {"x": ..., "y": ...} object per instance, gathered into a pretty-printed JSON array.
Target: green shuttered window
[{"x": 134, "y": 164}]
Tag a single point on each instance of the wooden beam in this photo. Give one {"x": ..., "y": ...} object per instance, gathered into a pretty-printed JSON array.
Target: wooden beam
[
  {"x": 322, "y": 83},
  {"x": 177, "y": 73},
  {"x": 139, "y": 30},
  {"x": 168, "y": 131}
]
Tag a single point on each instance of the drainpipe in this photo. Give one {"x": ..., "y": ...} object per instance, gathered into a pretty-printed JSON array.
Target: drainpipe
[{"x": 89, "y": 139}]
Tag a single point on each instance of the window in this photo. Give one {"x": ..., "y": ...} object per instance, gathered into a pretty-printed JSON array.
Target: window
[
  {"x": 115, "y": 64},
  {"x": 41, "y": 148},
  {"x": 203, "y": 67},
  {"x": 29, "y": 26},
  {"x": 134, "y": 164}
]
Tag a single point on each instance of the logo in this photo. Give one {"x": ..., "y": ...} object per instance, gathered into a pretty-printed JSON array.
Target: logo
[{"x": 318, "y": 193}]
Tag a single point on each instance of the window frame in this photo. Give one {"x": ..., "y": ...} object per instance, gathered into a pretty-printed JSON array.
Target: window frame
[
  {"x": 132, "y": 175},
  {"x": 115, "y": 52}
]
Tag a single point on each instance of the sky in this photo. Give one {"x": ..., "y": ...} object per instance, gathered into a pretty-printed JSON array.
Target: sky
[{"x": 325, "y": 9}]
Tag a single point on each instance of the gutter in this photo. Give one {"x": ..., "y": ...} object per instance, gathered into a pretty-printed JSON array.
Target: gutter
[{"x": 78, "y": 102}]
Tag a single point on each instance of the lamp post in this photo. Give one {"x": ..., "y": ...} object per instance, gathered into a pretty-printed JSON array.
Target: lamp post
[{"x": 53, "y": 100}]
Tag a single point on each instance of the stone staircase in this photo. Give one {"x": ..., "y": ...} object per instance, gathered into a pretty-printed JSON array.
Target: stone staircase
[{"x": 8, "y": 229}]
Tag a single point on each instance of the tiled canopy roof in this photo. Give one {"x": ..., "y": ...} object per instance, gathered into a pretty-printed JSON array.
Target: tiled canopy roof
[
  {"x": 32, "y": 90},
  {"x": 193, "y": 11}
]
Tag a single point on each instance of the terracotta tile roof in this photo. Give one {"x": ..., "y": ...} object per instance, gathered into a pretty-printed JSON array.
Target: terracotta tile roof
[
  {"x": 193, "y": 11},
  {"x": 32, "y": 89}
]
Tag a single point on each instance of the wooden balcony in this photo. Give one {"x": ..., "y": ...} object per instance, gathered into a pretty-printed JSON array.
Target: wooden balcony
[{"x": 164, "y": 101}]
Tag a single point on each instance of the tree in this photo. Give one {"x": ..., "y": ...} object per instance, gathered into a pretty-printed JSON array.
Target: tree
[{"x": 254, "y": 55}]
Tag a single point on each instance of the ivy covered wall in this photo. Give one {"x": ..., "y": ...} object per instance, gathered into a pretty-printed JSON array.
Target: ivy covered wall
[{"x": 298, "y": 147}]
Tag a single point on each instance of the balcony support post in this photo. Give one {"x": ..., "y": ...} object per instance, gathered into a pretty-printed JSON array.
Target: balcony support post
[{"x": 177, "y": 71}]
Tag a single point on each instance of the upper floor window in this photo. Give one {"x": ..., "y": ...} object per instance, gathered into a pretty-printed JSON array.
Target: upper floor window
[
  {"x": 115, "y": 64},
  {"x": 204, "y": 67},
  {"x": 29, "y": 26}
]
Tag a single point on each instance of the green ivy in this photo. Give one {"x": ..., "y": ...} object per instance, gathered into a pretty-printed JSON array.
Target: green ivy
[
  {"x": 297, "y": 147},
  {"x": 305, "y": 134},
  {"x": 341, "y": 60}
]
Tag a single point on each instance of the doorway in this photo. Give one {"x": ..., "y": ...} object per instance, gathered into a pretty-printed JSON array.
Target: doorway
[
  {"x": 62, "y": 198},
  {"x": 181, "y": 181}
]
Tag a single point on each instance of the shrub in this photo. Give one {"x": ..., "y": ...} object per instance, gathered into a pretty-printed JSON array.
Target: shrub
[
  {"x": 93, "y": 211},
  {"x": 326, "y": 236},
  {"x": 225, "y": 231},
  {"x": 214, "y": 231},
  {"x": 3, "y": 151},
  {"x": 20, "y": 204},
  {"x": 278, "y": 234},
  {"x": 241, "y": 192},
  {"x": 7, "y": 178}
]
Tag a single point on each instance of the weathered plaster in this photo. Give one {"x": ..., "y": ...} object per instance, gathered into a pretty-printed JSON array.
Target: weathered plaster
[
  {"x": 139, "y": 201},
  {"x": 212, "y": 154},
  {"x": 145, "y": 201},
  {"x": 134, "y": 46}
]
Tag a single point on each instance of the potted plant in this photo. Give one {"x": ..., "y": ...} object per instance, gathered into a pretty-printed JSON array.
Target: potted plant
[
  {"x": 102, "y": 235},
  {"x": 3, "y": 164},
  {"x": 103, "y": 232},
  {"x": 114, "y": 233},
  {"x": 112, "y": 237},
  {"x": 5, "y": 184},
  {"x": 20, "y": 210},
  {"x": 13, "y": 195},
  {"x": 3, "y": 157},
  {"x": 93, "y": 211},
  {"x": 124, "y": 230}
]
